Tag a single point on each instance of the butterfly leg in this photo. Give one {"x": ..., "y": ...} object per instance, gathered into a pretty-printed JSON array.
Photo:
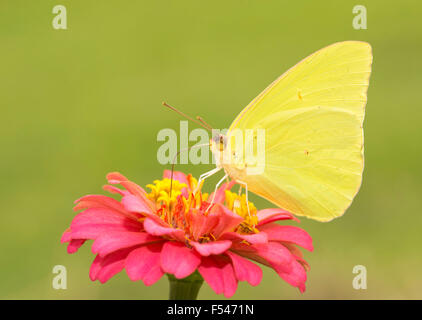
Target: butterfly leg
[
  {"x": 246, "y": 192},
  {"x": 205, "y": 175},
  {"x": 240, "y": 190},
  {"x": 215, "y": 191}
]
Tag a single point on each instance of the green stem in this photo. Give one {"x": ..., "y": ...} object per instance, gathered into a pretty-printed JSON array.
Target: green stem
[{"x": 186, "y": 288}]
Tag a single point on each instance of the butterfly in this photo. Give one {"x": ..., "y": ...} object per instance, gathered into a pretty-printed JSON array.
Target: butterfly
[{"x": 312, "y": 117}]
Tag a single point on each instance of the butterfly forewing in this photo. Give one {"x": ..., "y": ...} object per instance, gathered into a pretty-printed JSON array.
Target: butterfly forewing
[{"x": 312, "y": 116}]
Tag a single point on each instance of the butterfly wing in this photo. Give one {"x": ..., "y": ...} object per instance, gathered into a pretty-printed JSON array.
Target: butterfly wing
[{"x": 312, "y": 116}]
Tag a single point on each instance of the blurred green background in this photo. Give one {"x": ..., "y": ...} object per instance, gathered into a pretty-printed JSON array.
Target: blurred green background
[{"x": 79, "y": 103}]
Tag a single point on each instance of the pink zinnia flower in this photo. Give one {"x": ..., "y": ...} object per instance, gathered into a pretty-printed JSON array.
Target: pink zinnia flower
[{"x": 150, "y": 234}]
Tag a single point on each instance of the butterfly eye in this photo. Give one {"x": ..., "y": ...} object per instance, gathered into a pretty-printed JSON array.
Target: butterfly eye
[
  {"x": 223, "y": 142},
  {"x": 220, "y": 141},
  {"x": 216, "y": 139}
]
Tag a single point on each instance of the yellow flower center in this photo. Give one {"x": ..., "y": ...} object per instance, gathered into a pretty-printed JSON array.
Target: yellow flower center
[
  {"x": 237, "y": 204},
  {"x": 175, "y": 210},
  {"x": 172, "y": 208},
  {"x": 160, "y": 192}
]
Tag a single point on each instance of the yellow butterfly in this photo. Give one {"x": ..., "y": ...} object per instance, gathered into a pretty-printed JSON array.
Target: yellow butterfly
[{"x": 312, "y": 116}]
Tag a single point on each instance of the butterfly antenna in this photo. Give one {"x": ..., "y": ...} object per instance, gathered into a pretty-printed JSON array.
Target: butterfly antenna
[
  {"x": 186, "y": 116},
  {"x": 174, "y": 161},
  {"x": 203, "y": 122}
]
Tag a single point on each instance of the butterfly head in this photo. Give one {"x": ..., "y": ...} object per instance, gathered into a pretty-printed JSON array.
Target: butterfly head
[
  {"x": 218, "y": 142},
  {"x": 218, "y": 145}
]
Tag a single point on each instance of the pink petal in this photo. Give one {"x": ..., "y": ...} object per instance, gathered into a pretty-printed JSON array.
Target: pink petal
[
  {"x": 134, "y": 189},
  {"x": 103, "y": 268},
  {"x": 144, "y": 264},
  {"x": 220, "y": 195},
  {"x": 254, "y": 238},
  {"x": 218, "y": 272},
  {"x": 115, "y": 190},
  {"x": 134, "y": 204},
  {"x": 95, "y": 267},
  {"x": 270, "y": 215},
  {"x": 288, "y": 234},
  {"x": 153, "y": 228},
  {"x": 116, "y": 240},
  {"x": 178, "y": 259},
  {"x": 115, "y": 177},
  {"x": 181, "y": 177},
  {"x": 294, "y": 250},
  {"x": 67, "y": 236},
  {"x": 74, "y": 245},
  {"x": 98, "y": 201},
  {"x": 177, "y": 175},
  {"x": 272, "y": 254},
  {"x": 227, "y": 220},
  {"x": 297, "y": 254},
  {"x": 245, "y": 270},
  {"x": 212, "y": 247},
  {"x": 131, "y": 187},
  {"x": 90, "y": 223}
]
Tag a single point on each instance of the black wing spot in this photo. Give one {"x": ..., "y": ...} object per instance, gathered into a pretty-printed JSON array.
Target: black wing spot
[{"x": 299, "y": 95}]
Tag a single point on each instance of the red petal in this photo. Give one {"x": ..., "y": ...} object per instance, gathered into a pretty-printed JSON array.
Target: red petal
[
  {"x": 117, "y": 240},
  {"x": 213, "y": 247},
  {"x": 90, "y": 223},
  {"x": 218, "y": 272},
  {"x": 255, "y": 238},
  {"x": 227, "y": 220},
  {"x": 156, "y": 229},
  {"x": 245, "y": 270},
  {"x": 271, "y": 215},
  {"x": 144, "y": 264},
  {"x": 296, "y": 277},
  {"x": 103, "y": 268},
  {"x": 202, "y": 224},
  {"x": 178, "y": 259},
  {"x": 288, "y": 234}
]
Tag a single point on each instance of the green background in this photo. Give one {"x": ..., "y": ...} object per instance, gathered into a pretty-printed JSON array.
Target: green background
[{"x": 79, "y": 103}]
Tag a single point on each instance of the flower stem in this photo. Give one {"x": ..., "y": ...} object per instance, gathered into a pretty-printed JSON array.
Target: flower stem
[{"x": 186, "y": 288}]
